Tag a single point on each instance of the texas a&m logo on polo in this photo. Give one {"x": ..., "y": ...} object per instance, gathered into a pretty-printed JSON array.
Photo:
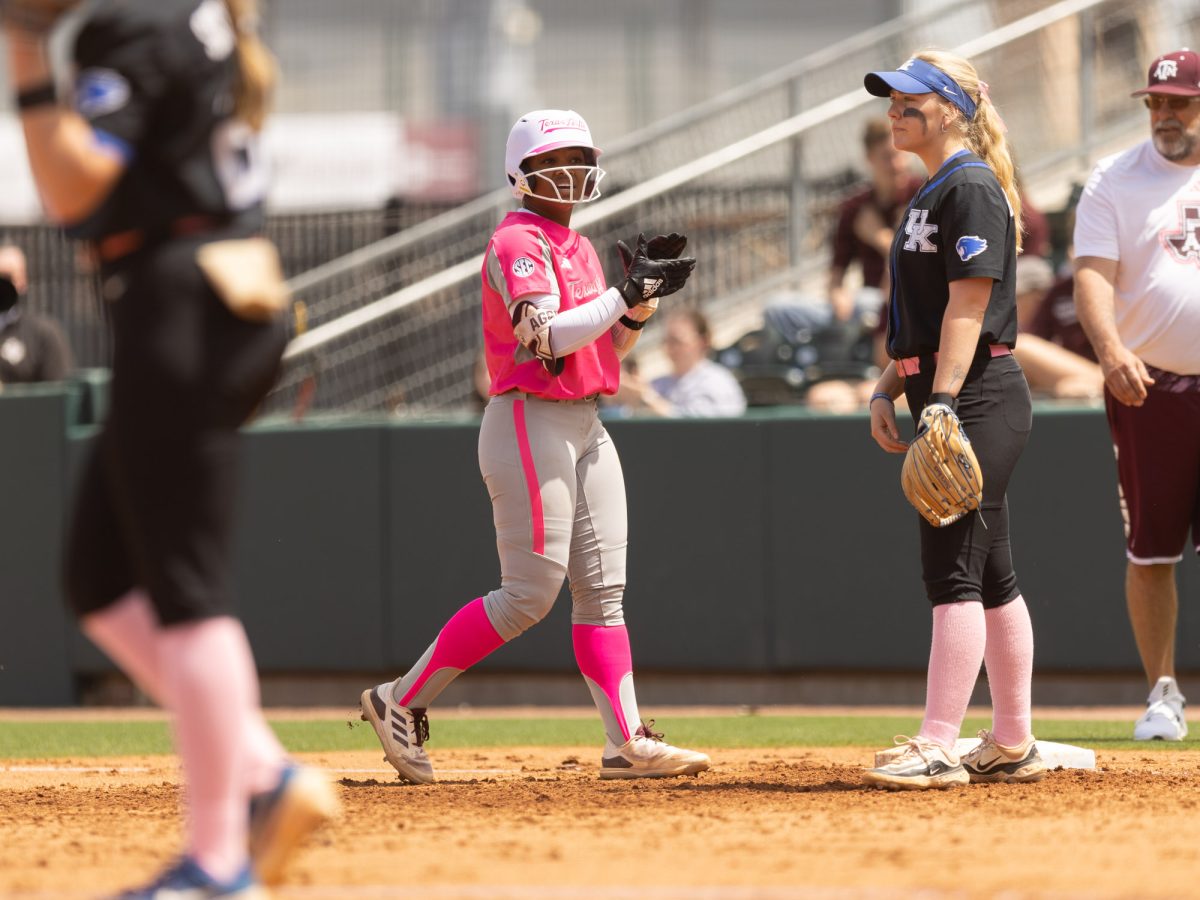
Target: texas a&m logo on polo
[{"x": 1184, "y": 244}]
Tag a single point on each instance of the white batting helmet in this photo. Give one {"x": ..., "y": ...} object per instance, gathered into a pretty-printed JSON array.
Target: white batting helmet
[{"x": 544, "y": 130}]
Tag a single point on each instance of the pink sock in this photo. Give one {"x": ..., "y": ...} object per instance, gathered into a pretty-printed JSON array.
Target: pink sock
[
  {"x": 1009, "y": 658},
  {"x": 959, "y": 633},
  {"x": 129, "y": 632},
  {"x": 206, "y": 670},
  {"x": 602, "y": 653},
  {"x": 467, "y": 638},
  {"x": 264, "y": 757}
]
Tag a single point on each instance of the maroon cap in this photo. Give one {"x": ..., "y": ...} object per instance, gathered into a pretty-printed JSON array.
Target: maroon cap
[{"x": 1177, "y": 72}]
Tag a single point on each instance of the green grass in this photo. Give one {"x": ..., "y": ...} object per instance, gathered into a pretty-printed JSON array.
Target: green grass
[{"x": 58, "y": 740}]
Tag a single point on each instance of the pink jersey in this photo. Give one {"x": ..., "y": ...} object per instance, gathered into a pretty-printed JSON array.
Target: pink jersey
[{"x": 529, "y": 254}]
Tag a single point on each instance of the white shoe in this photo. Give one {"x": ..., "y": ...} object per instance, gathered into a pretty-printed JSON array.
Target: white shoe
[
  {"x": 917, "y": 765},
  {"x": 283, "y": 817},
  {"x": 647, "y": 755},
  {"x": 1163, "y": 719},
  {"x": 989, "y": 761},
  {"x": 402, "y": 732},
  {"x": 891, "y": 754}
]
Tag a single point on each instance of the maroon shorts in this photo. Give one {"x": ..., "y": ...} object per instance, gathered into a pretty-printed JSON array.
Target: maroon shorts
[{"x": 1158, "y": 465}]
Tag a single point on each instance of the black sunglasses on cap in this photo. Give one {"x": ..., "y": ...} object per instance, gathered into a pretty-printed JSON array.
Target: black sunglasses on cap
[{"x": 1157, "y": 102}]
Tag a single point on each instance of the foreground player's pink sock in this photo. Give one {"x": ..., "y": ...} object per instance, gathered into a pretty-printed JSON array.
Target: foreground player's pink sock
[
  {"x": 603, "y": 655},
  {"x": 1009, "y": 659},
  {"x": 959, "y": 633},
  {"x": 263, "y": 756},
  {"x": 467, "y": 638},
  {"x": 129, "y": 632},
  {"x": 205, "y": 670}
]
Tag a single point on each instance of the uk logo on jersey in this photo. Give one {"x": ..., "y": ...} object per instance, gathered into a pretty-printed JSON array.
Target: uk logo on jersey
[
  {"x": 1184, "y": 244},
  {"x": 523, "y": 267},
  {"x": 970, "y": 246},
  {"x": 919, "y": 232}
]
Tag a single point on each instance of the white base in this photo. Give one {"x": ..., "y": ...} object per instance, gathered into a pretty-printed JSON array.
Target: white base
[{"x": 1065, "y": 756}]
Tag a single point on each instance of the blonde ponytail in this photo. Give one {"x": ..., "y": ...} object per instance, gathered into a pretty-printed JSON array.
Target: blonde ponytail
[
  {"x": 257, "y": 69},
  {"x": 984, "y": 134}
]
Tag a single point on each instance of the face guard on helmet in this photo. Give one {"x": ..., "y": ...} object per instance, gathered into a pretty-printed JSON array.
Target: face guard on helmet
[{"x": 540, "y": 132}]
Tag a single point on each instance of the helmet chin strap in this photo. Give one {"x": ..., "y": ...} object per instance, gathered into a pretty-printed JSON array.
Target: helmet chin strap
[{"x": 591, "y": 175}]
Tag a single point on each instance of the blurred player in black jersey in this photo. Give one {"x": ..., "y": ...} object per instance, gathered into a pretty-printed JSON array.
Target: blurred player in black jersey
[
  {"x": 153, "y": 159},
  {"x": 952, "y": 325}
]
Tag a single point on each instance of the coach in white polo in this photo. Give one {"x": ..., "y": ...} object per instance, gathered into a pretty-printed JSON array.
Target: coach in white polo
[{"x": 1137, "y": 293}]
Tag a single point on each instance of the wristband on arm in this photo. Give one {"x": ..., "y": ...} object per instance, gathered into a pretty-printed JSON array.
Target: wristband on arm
[{"x": 39, "y": 95}]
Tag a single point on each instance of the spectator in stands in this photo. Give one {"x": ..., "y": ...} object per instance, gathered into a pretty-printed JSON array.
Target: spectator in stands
[
  {"x": 1055, "y": 319},
  {"x": 32, "y": 347},
  {"x": 867, "y": 220},
  {"x": 1035, "y": 228},
  {"x": 1050, "y": 368},
  {"x": 865, "y": 227},
  {"x": 697, "y": 386}
]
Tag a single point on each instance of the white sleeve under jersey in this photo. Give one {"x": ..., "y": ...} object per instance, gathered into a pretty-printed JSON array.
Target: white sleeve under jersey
[{"x": 578, "y": 327}]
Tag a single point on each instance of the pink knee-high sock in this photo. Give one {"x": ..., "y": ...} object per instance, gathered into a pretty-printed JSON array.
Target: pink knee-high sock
[
  {"x": 604, "y": 658},
  {"x": 263, "y": 755},
  {"x": 467, "y": 638},
  {"x": 1009, "y": 660},
  {"x": 208, "y": 671},
  {"x": 959, "y": 633},
  {"x": 129, "y": 632}
]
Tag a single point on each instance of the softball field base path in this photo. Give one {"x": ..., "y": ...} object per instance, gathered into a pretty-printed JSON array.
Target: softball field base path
[{"x": 537, "y": 822}]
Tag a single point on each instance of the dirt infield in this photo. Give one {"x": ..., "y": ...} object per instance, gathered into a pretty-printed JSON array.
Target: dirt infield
[{"x": 537, "y": 822}]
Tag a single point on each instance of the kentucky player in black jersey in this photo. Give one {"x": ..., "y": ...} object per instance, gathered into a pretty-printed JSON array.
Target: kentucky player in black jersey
[
  {"x": 154, "y": 162},
  {"x": 952, "y": 325}
]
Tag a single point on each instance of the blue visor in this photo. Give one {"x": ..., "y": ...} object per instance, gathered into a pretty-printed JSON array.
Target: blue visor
[{"x": 919, "y": 77}]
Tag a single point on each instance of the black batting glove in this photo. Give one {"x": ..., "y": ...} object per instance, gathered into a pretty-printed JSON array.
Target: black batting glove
[
  {"x": 661, "y": 246},
  {"x": 647, "y": 277},
  {"x": 666, "y": 246}
]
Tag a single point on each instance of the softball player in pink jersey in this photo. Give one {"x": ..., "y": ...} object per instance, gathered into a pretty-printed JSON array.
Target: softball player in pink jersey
[{"x": 554, "y": 337}]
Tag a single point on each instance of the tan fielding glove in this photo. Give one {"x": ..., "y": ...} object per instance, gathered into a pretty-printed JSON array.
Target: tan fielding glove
[{"x": 941, "y": 476}]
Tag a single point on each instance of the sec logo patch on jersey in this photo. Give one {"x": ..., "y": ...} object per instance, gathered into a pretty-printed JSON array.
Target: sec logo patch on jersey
[
  {"x": 969, "y": 246},
  {"x": 523, "y": 267}
]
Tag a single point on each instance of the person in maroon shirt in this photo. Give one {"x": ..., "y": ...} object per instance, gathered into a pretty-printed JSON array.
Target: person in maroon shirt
[
  {"x": 1056, "y": 321},
  {"x": 1052, "y": 348},
  {"x": 1035, "y": 230},
  {"x": 867, "y": 219}
]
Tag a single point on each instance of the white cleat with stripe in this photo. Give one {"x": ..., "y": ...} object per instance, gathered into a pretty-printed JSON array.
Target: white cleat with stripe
[
  {"x": 402, "y": 732},
  {"x": 647, "y": 755}
]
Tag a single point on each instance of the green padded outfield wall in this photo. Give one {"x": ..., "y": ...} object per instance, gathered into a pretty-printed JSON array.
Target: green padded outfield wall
[
  {"x": 778, "y": 542},
  {"x": 35, "y": 630}
]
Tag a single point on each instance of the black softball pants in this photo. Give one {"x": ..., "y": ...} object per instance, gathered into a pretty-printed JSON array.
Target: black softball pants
[
  {"x": 154, "y": 507},
  {"x": 971, "y": 559}
]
